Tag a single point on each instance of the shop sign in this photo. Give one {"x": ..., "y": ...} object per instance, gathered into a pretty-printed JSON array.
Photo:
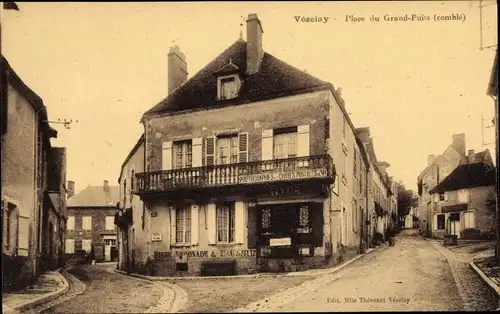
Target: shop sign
[
  {"x": 283, "y": 176},
  {"x": 280, "y": 242},
  {"x": 181, "y": 255},
  {"x": 156, "y": 237}
]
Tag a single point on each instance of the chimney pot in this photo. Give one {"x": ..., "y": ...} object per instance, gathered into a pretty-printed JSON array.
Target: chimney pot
[
  {"x": 177, "y": 68},
  {"x": 255, "y": 51}
]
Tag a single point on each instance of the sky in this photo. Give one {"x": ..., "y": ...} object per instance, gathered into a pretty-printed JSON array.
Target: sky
[{"x": 104, "y": 64}]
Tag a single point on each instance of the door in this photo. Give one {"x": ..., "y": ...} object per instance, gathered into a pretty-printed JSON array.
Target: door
[
  {"x": 277, "y": 225},
  {"x": 454, "y": 224}
]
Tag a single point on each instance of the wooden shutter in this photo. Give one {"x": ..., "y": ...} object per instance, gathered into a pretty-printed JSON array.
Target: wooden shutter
[
  {"x": 172, "y": 224},
  {"x": 317, "y": 222},
  {"x": 267, "y": 145},
  {"x": 239, "y": 222},
  {"x": 23, "y": 235},
  {"x": 445, "y": 196},
  {"x": 252, "y": 222},
  {"x": 435, "y": 226},
  {"x": 211, "y": 223},
  {"x": 195, "y": 224},
  {"x": 197, "y": 151},
  {"x": 243, "y": 147},
  {"x": 210, "y": 151},
  {"x": 303, "y": 140},
  {"x": 167, "y": 155}
]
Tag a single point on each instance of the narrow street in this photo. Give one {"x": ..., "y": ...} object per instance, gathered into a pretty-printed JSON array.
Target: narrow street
[{"x": 411, "y": 276}]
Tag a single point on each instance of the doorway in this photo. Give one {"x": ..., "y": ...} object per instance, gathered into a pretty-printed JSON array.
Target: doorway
[{"x": 454, "y": 224}]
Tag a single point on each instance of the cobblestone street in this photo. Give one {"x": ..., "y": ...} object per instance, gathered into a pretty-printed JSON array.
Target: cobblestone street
[
  {"x": 411, "y": 276},
  {"x": 94, "y": 289}
]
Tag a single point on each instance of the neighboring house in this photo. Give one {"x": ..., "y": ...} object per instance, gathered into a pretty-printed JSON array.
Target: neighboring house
[
  {"x": 460, "y": 201},
  {"x": 438, "y": 168},
  {"x": 91, "y": 222},
  {"x": 134, "y": 236},
  {"x": 410, "y": 221},
  {"x": 239, "y": 169},
  {"x": 379, "y": 188},
  {"x": 33, "y": 197}
]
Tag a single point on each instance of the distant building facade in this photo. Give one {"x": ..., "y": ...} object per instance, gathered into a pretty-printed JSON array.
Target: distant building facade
[
  {"x": 91, "y": 222},
  {"x": 460, "y": 201},
  {"x": 33, "y": 194}
]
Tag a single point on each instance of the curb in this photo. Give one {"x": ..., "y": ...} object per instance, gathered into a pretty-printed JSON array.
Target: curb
[
  {"x": 51, "y": 296},
  {"x": 259, "y": 275},
  {"x": 494, "y": 288}
]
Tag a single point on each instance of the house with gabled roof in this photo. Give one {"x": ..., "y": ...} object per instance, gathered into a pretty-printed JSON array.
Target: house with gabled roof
[
  {"x": 250, "y": 165},
  {"x": 90, "y": 228},
  {"x": 461, "y": 200},
  {"x": 439, "y": 167}
]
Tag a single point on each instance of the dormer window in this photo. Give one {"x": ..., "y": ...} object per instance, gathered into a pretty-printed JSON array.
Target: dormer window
[
  {"x": 228, "y": 81},
  {"x": 228, "y": 87}
]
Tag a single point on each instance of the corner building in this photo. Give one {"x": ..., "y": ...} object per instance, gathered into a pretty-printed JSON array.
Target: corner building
[{"x": 239, "y": 175}]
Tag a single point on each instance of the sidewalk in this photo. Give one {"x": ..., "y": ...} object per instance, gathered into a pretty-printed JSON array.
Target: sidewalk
[
  {"x": 310, "y": 272},
  {"x": 48, "y": 286},
  {"x": 484, "y": 265}
]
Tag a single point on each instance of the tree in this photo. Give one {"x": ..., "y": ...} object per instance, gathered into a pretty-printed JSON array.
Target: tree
[{"x": 406, "y": 200}]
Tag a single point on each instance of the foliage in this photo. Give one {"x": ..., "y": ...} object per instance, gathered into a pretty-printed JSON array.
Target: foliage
[{"x": 406, "y": 200}]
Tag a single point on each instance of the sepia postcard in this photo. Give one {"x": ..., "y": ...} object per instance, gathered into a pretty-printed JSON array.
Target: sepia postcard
[{"x": 328, "y": 156}]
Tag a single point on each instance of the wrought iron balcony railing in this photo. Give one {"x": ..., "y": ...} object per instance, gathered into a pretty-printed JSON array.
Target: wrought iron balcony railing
[{"x": 289, "y": 169}]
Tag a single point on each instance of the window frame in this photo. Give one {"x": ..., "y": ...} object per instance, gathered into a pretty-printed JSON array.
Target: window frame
[
  {"x": 83, "y": 224},
  {"x": 70, "y": 218},
  {"x": 183, "y": 225},
  {"x": 112, "y": 223},
  {"x": 233, "y": 150},
  {"x": 289, "y": 138},
  {"x": 185, "y": 147},
  {"x": 222, "y": 80},
  {"x": 227, "y": 232},
  {"x": 87, "y": 241},
  {"x": 444, "y": 221},
  {"x": 66, "y": 246}
]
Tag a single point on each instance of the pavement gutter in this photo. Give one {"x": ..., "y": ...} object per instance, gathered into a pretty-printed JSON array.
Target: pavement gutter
[
  {"x": 494, "y": 288},
  {"x": 45, "y": 298}
]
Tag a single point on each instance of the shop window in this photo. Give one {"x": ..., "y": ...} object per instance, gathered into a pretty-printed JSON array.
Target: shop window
[
  {"x": 225, "y": 216},
  {"x": 183, "y": 225},
  {"x": 441, "y": 224},
  {"x": 266, "y": 218},
  {"x": 304, "y": 220}
]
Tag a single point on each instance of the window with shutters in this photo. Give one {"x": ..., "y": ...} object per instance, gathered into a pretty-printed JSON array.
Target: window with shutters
[
  {"x": 124, "y": 193},
  {"x": 183, "y": 224},
  {"x": 344, "y": 164},
  {"x": 227, "y": 150},
  {"x": 469, "y": 220},
  {"x": 354, "y": 215},
  {"x": 70, "y": 223},
  {"x": 355, "y": 165},
  {"x": 10, "y": 226},
  {"x": 69, "y": 246},
  {"x": 225, "y": 217},
  {"x": 132, "y": 180},
  {"x": 87, "y": 245},
  {"x": 183, "y": 154},
  {"x": 87, "y": 223},
  {"x": 285, "y": 143},
  {"x": 344, "y": 126}
]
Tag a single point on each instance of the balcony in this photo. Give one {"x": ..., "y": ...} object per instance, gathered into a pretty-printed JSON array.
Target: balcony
[{"x": 319, "y": 167}]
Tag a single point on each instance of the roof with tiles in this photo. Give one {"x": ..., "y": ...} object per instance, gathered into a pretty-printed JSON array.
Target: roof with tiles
[{"x": 274, "y": 79}]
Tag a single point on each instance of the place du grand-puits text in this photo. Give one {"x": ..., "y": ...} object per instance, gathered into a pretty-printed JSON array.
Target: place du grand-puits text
[{"x": 457, "y": 17}]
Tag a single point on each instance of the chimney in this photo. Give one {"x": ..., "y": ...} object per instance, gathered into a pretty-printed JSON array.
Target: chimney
[
  {"x": 71, "y": 188},
  {"x": 382, "y": 166},
  {"x": 363, "y": 134},
  {"x": 471, "y": 157},
  {"x": 254, "y": 43},
  {"x": 177, "y": 68},
  {"x": 105, "y": 186},
  {"x": 459, "y": 143},
  {"x": 430, "y": 159}
]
